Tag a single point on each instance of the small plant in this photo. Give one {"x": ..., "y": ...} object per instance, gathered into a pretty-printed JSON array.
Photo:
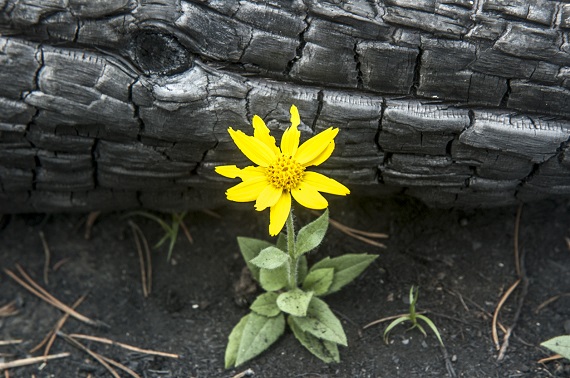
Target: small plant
[
  {"x": 293, "y": 290},
  {"x": 170, "y": 230},
  {"x": 413, "y": 318}
]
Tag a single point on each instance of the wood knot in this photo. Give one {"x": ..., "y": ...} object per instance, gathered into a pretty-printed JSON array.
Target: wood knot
[{"x": 156, "y": 52}]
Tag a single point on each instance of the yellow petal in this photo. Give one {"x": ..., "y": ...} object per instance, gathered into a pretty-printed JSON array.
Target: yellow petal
[
  {"x": 309, "y": 197},
  {"x": 323, "y": 156},
  {"x": 279, "y": 213},
  {"x": 325, "y": 184},
  {"x": 291, "y": 136},
  {"x": 252, "y": 172},
  {"x": 230, "y": 171},
  {"x": 248, "y": 190},
  {"x": 295, "y": 119},
  {"x": 268, "y": 197},
  {"x": 261, "y": 132},
  {"x": 315, "y": 146},
  {"x": 253, "y": 148}
]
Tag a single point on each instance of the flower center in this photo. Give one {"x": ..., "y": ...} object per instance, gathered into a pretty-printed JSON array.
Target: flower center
[{"x": 285, "y": 173}]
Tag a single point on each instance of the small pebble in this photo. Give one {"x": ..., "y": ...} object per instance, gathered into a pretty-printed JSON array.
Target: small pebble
[
  {"x": 406, "y": 341},
  {"x": 454, "y": 358}
]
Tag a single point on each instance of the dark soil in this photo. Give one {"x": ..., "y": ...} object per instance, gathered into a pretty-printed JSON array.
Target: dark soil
[{"x": 462, "y": 260}]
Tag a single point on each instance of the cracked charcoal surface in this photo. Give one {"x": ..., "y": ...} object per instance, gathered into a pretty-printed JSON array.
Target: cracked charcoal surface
[{"x": 107, "y": 106}]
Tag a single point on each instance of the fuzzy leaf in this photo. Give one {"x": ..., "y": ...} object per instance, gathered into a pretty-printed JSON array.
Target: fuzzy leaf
[
  {"x": 233, "y": 342},
  {"x": 282, "y": 242},
  {"x": 250, "y": 248},
  {"x": 273, "y": 280},
  {"x": 258, "y": 334},
  {"x": 322, "y": 323},
  {"x": 319, "y": 281},
  {"x": 270, "y": 258},
  {"x": 310, "y": 236},
  {"x": 325, "y": 350},
  {"x": 294, "y": 302},
  {"x": 302, "y": 269},
  {"x": 266, "y": 305},
  {"x": 560, "y": 345},
  {"x": 346, "y": 268}
]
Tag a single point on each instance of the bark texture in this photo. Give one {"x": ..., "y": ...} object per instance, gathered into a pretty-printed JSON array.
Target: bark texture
[{"x": 120, "y": 104}]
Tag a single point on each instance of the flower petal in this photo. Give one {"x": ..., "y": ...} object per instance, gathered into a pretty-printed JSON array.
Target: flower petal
[
  {"x": 261, "y": 132},
  {"x": 315, "y": 146},
  {"x": 230, "y": 171},
  {"x": 325, "y": 184},
  {"x": 309, "y": 197},
  {"x": 253, "y": 148},
  {"x": 291, "y": 136},
  {"x": 295, "y": 119},
  {"x": 252, "y": 172},
  {"x": 268, "y": 197},
  {"x": 323, "y": 156},
  {"x": 248, "y": 190},
  {"x": 279, "y": 213}
]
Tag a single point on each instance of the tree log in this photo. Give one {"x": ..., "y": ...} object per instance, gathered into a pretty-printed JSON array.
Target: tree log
[{"x": 109, "y": 105}]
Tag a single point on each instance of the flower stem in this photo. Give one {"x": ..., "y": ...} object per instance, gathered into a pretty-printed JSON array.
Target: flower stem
[{"x": 292, "y": 268}]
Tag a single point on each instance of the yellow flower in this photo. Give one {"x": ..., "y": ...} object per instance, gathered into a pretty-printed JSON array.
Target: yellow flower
[{"x": 281, "y": 172}]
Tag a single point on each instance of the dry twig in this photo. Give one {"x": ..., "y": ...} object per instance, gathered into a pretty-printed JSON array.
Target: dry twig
[
  {"x": 8, "y": 309},
  {"x": 245, "y": 373},
  {"x": 125, "y": 346},
  {"x": 551, "y": 358},
  {"x": 10, "y": 342},
  {"x": 145, "y": 261},
  {"x": 96, "y": 356},
  {"x": 521, "y": 274},
  {"x": 43, "y": 294},
  {"x": 186, "y": 232},
  {"x": 50, "y": 337},
  {"x": 363, "y": 236},
  {"x": 549, "y": 301},
  {"x": 389, "y": 318},
  {"x": 91, "y": 218},
  {"x": 47, "y": 257},
  {"x": 31, "y": 361},
  {"x": 498, "y": 310}
]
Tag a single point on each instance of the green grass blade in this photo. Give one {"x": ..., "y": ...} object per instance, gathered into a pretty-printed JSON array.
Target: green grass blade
[
  {"x": 432, "y": 326},
  {"x": 392, "y": 325},
  {"x": 155, "y": 218},
  {"x": 422, "y": 330}
]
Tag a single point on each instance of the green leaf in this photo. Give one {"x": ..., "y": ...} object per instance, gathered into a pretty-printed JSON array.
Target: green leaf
[
  {"x": 282, "y": 242},
  {"x": 302, "y": 269},
  {"x": 258, "y": 335},
  {"x": 393, "y": 324},
  {"x": 560, "y": 345},
  {"x": 319, "y": 281},
  {"x": 233, "y": 342},
  {"x": 250, "y": 248},
  {"x": 310, "y": 236},
  {"x": 266, "y": 305},
  {"x": 434, "y": 328},
  {"x": 325, "y": 350},
  {"x": 294, "y": 302},
  {"x": 273, "y": 280},
  {"x": 322, "y": 323},
  {"x": 346, "y": 268},
  {"x": 270, "y": 258}
]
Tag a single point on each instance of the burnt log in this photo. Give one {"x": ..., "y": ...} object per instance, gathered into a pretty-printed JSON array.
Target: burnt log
[{"x": 122, "y": 104}]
